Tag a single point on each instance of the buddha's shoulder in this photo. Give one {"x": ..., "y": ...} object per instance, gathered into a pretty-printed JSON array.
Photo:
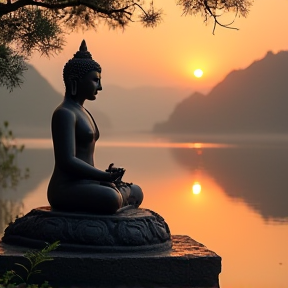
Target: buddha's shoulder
[{"x": 63, "y": 110}]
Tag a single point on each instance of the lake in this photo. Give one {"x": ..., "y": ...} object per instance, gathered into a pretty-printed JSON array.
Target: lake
[{"x": 229, "y": 193}]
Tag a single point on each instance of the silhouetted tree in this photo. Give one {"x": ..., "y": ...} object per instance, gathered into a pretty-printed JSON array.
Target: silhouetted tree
[
  {"x": 12, "y": 66},
  {"x": 38, "y": 25}
]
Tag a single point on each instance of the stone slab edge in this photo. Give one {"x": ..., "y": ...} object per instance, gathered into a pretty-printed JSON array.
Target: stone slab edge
[{"x": 188, "y": 264}]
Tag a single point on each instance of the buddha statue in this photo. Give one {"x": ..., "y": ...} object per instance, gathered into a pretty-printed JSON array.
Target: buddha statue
[{"x": 76, "y": 185}]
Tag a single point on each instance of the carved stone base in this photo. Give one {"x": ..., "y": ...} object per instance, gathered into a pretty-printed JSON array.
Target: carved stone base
[{"x": 126, "y": 231}]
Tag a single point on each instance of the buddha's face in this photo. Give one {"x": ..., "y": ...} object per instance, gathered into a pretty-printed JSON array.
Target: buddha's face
[{"x": 90, "y": 85}]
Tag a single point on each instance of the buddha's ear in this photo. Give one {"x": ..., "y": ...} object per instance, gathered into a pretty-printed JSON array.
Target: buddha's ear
[{"x": 73, "y": 87}]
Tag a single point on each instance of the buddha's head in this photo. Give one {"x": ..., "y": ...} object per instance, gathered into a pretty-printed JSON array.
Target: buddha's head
[{"x": 82, "y": 75}]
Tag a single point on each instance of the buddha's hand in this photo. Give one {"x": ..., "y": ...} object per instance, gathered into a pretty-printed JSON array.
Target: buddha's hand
[{"x": 116, "y": 174}]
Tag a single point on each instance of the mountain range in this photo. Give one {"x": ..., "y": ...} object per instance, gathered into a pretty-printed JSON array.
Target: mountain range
[{"x": 251, "y": 100}]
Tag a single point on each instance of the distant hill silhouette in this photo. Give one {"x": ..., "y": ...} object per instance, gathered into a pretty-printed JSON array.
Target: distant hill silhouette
[
  {"x": 28, "y": 109},
  {"x": 252, "y": 100}
]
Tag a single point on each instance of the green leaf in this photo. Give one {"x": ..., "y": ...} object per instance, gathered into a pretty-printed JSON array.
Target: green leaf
[{"x": 18, "y": 264}]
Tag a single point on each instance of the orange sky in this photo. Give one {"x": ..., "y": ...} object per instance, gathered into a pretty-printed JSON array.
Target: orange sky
[{"x": 168, "y": 54}]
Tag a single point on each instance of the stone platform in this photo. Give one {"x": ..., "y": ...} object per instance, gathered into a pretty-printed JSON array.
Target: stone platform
[{"x": 187, "y": 264}]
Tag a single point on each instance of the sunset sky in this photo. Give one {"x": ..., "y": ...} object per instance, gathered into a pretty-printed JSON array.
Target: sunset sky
[{"x": 167, "y": 56}]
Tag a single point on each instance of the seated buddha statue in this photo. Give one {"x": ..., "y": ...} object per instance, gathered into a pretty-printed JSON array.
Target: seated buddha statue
[{"x": 76, "y": 184}]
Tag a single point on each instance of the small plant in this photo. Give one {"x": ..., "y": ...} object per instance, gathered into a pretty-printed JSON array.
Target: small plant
[
  {"x": 5, "y": 280},
  {"x": 9, "y": 279}
]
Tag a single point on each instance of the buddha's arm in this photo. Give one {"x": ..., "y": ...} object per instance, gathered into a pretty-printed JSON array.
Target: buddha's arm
[{"x": 63, "y": 132}]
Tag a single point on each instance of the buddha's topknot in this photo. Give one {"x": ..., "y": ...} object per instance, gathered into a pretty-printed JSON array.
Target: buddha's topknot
[{"x": 81, "y": 64}]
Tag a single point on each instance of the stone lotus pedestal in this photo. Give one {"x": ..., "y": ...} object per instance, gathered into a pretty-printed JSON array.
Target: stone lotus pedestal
[
  {"x": 130, "y": 248},
  {"x": 126, "y": 231}
]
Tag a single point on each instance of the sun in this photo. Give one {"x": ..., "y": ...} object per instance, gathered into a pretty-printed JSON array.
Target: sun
[
  {"x": 196, "y": 188},
  {"x": 198, "y": 73}
]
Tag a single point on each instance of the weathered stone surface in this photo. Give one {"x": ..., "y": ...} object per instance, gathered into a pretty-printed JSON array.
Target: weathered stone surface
[
  {"x": 128, "y": 230},
  {"x": 187, "y": 264}
]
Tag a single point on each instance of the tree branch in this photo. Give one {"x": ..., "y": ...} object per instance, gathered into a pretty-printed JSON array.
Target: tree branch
[
  {"x": 216, "y": 22},
  {"x": 8, "y": 8}
]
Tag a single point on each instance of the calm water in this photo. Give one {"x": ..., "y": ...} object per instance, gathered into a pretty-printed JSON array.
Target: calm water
[{"x": 241, "y": 212}]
